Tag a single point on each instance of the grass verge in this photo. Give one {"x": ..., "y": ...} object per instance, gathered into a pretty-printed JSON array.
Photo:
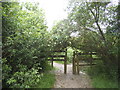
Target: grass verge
[
  {"x": 47, "y": 81},
  {"x": 100, "y": 78},
  {"x": 100, "y": 82}
]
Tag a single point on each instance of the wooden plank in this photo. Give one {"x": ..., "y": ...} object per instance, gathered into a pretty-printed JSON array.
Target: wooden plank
[
  {"x": 96, "y": 58},
  {"x": 86, "y": 64},
  {"x": 56, "y": 55},
  {"x": 57, "y": 59},
  {"x": 58, "y": 51},
  {"x": 93, "y": 53},
  {"x": 83, "y": 53}
]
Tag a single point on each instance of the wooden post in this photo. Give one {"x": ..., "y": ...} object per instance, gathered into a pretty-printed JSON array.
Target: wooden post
[
  {"x": 77, "y": 59},
  {"x": 73, "y": 62},
  {"x": 65, "y": 62},
  {"x": 90, "y": 59},
  {"x": 52, "y": 60}
]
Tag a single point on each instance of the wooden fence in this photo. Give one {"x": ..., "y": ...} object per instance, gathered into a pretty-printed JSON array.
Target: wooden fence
[
  {"x": 54, "y": 57},
  {"x": 77, "y": 57}
]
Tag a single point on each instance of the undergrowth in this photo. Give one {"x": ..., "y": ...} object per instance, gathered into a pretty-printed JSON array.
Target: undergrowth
[{"x": 101, "y": 79}]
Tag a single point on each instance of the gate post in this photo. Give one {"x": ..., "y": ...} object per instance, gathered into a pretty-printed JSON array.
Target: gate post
[
  {"x": 91, "y": 59},
  {"x": 52, "y": 60},
  {"x": 73, "y": 62},
  {"x": 65, "y": 62},
  {"x": 77, "y": 60}
]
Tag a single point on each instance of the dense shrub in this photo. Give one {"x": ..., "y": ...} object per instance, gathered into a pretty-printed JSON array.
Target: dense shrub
[{"x": 25, "y": 44}]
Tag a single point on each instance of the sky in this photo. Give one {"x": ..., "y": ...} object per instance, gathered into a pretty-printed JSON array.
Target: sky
[{"x": 54, "y": 9}]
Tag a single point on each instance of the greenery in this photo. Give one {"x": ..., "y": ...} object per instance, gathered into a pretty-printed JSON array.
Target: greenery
[
  {"x": 69, "y": 56},
  {"x": 93, "y": 38},
  {"x": 47, "y": 81},
  {"x": 83, "y": 32},
  {"x": 26, "y": 43},
  {"x": 100, "y": 82},
  {"x": 100, "y": 79},
  {"x": 61, "y": 62}
]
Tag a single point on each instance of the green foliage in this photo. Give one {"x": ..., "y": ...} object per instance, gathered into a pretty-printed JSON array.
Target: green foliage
[
  {"x": 69, "y": 54},
  {"x": 25, "y": 44},
  {"x": 60, "y": 35},
  {"x": 24, "y": 78},
  {"x": 6, "y": 69},
  {"x": 100, "y": 78},
  {"x": 86, "y": 19},
  {"x": 31, "y": 79},
  {"x": 91, "y": 37}
]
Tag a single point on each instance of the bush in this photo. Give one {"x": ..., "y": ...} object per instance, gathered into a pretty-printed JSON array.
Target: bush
[
  {"x": 24, "y": 78},
  {"x": 25, "y": 42}
]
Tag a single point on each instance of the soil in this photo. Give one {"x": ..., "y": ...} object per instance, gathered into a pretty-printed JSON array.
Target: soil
[{"x": 70, "y": 80}]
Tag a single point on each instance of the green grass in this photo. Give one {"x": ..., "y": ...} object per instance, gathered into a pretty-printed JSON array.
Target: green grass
[
  {"x": 100, "y": 78},
  {"x": 47, "y": 81},
  {"x": 62, "y": 62},
  {"x": 100, "y": 82}
]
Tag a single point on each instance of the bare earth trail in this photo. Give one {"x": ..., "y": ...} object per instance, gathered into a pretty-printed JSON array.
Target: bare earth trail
[{"x": 69, "y": 80}]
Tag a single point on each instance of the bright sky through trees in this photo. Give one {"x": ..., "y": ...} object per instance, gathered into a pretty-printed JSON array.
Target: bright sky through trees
[{"x": 54, "y": 9}]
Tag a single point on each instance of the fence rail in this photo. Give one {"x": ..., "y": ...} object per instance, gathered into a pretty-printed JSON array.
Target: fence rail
[
  {"x": 78, "y": 56},
  {"x": 54, "y": 57}
]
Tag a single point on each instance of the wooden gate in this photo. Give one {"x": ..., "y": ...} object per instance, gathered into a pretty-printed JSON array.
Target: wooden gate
[
  {"x": 77, "y": 56},
  {"x": 55, "y": 55}
]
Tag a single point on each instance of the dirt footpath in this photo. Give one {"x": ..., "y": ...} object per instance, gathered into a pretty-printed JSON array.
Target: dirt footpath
[{"x": 69, "y": 80}]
